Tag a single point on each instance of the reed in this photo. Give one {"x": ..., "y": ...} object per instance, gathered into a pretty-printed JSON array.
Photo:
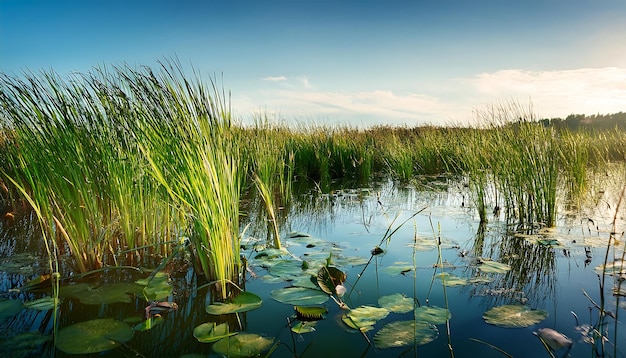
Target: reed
[{"x": 187, "y": 138}]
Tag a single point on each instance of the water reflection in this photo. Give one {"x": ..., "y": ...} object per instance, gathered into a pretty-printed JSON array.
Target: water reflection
[{"x": 350, "y": 222}]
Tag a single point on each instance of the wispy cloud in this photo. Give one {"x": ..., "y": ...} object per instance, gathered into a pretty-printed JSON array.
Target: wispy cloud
[
  {"x": 274, "y": 78},
  {"x": 552, "y": 94}
]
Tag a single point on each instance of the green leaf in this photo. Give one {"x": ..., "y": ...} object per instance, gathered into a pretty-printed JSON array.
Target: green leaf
[
  {"x": 42, "y": 304},
  {"x": 514, "y": 316},
  {"x": 310, "y": 313},
  {"x": 304, "y": 327},
  {"x": 397, "y": 302},
  {"x": 299, "y": 296},
  {"x": 157, "y": 288},
  {"x": 493, "y": 266},
  {"x": 245, "y": 301},
  {"x": 119, "y": 292},
  {"x": 433, "y": 315},
  {"x": 242, "y": 345},
  {"x": 405, "y": 333},
  {"x": 286, "y": 269},
  {"x": 211, "y": 332},
  {"x": 328, "y": 278},
  {"x": 363, "y": 318},
  {"x": 93, "y": 336},
  {"x": 452, "y": 280},
  {"x": 148, "y": 324},
  {"x": 398, "y": 268}
]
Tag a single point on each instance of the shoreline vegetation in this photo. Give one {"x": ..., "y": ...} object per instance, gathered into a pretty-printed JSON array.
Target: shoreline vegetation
[{"x": 122, "y": 162}]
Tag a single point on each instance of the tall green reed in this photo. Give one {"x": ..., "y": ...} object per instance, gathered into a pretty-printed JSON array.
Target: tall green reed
[{"x": 187, "y": 138}]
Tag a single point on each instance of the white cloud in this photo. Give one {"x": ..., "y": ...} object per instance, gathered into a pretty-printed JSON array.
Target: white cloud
[
  {"x": 274, "y": 78},
  {"x": 556, "y": 93},
  {"x": 551, "y": 93}
]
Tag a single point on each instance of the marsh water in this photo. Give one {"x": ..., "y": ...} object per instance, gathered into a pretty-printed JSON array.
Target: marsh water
[{"x": 434, "y": 252}]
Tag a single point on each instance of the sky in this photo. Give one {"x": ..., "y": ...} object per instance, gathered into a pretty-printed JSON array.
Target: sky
[{"x": 353, "y": 62}]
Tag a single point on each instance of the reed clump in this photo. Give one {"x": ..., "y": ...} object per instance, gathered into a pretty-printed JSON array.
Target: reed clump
[{"x": 124, "y": 162}]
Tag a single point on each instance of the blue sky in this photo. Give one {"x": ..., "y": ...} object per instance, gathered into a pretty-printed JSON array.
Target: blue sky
[{"x": 346, "y": 62}]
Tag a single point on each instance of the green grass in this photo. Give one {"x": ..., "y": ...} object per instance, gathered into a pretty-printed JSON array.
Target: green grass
[{"x": 121, "y": 160}]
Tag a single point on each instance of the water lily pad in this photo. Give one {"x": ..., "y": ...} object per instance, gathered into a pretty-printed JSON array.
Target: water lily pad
[
  {"x": 310, "y": 313},
  {"x": 211, "y": 332},
  {"x": 9, "y": 308},
  {"x": 245, "y": 301},
  {"x": 119, "y": 292},
  {"x": 492, "y": 266},
  {"x": 304, "y": 327},
  {"x": 148, "y": 324},
  {"x": 305, "y": 281},
  {"x": 452, "y": 280},
  {"x": 242, "y": 345},
  {"x": 397, "y": 302},
  {"x": 271, "y": 253},
  {"x": 158, "y": 288},
  {"x": 328, "y": 278},
  {"x": 287, "y": 269},
  {"x": 617, "y": 267},
  {"x": 300, "y": 296},
  {"x": 405, "y": 333},
  {"x": 480, "y": 279},
  {"x": 363, "y": 318},
  {"x": 42, "y": 304},
  {"x": 514, "y": 316},
  {"x": 433, "y": 315},
  {"x": 398, "y": 268},
  {"x": 93, "y": 336}
]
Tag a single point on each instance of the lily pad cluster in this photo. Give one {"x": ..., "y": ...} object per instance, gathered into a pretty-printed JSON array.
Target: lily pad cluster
[{"x": 233, "y": 344}]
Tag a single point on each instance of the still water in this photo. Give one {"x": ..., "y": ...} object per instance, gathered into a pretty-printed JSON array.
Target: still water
[{"x": 435, "y": 253}]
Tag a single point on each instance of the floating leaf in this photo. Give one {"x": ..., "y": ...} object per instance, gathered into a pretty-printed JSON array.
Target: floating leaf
[
  {"x": 93, "y": 336},
  {"x": 433, "y": 315},
  {"x": 158, "y": 288},
  {"x": 617, "y": 267},
  {"x": 42, "y": 304},
  {"x": 405, "y": 333},
  {"x": 119, "y": 292},
  {"x": 310, "y": 313},
  {"x": 363, "y": 318},
  {"x": 287, "y": 269},
  {"x": 299, "y": 296},
  {"x": 351, "y": 261},
  {"x": 397, "y": 303},
  {"x": 480, "y": 279},
  {"x": 492, "y": 266},
  {"x": 514, "y": 316},
  {"x": 148, "y": 324},
  {"x": 271, "y": 253},
  {"x": 295, "y": 234},
  {"x": 549, "y": 242},
  {"x": 242, "y": 345},
  {"x": 245, "y": 301},
  {"x": 452, "y": 280},
  {"x": 305, "y": 281},
  {"x": 397, "y": 268},
  {"x": 304, "y": 327},
  {"x": 211, "y": 332},
  {"x": 328, "y": 278},
  {"x": 9, "y": 308}
]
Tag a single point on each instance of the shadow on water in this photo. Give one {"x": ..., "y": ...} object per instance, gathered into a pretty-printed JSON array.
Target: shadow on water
[{"x": 494, "y": 264}]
